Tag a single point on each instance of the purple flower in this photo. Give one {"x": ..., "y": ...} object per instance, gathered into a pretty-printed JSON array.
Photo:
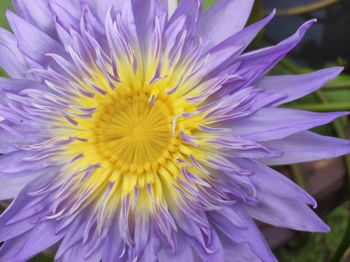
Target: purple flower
[{"x": 136, "y": 130}]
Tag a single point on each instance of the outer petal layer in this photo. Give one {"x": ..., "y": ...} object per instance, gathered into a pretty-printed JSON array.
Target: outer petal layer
[
  {"x": 285, "y": 122},
  {"x": 11, "y": 59},
  {"x": 297, "y": 86},
  {"x": 223, "y": 19},
  {"x": 306, "y": 146}
]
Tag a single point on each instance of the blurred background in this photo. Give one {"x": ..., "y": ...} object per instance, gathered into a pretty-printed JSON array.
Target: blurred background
[{"x": 326, "y": 44}]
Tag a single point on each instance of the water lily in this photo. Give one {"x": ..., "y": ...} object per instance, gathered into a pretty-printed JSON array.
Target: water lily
[{"x": 136, "y": 130}]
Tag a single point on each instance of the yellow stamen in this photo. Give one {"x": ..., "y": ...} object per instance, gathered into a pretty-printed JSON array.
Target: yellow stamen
[{"x": 134, "y": 137}]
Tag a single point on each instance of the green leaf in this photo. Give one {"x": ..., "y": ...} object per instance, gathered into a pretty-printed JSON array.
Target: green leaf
[
  {"x": 208, "y": 3},
  {"x": 41, "y": 258},
  {"x": 3, "y": 73},
  {"x": 341, "y": 82},
  {"x": 4, "y": 4}
]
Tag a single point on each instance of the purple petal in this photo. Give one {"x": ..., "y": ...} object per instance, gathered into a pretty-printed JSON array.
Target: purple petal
[
  {"x": 13, "y": 163},
  {"x": 145, "y": 13},
  {"x": 275, "y": 123},
  {"x": 215, "y": 252},
  {"x": 27, "y": 245},
  {"x": 183, "y": 251},
  {"x": 250, "y": 234},
  {"x": 227, "y": 51},
  {"x": 236, "y": 252},
  {"x": 8, "y": 142},
  {"x": 153, "y": 250},
  {"x": 16, "y": 85},
  {"x": 34, "y": 43},
  {"x": 73, "y": 235},
  {"x": 101, "y": 7},
  {"x": 257, "y": 63},
  {"x": 296, "y": 86},
  {"x": 285, "y": 212},
  {"x": 306, "y": 146},
  {"x": 199, "y": 233},
  {"x": 114, "y": 245},
  {"x": 191, "y": 9},
  {"x": 270, "y": 181},
  {"x": 77, "y": 253},
  {"x": 141, "y": 234},
  {"x": 10, "y": 187},
  {"x": 73, "y": 7},
  {"x": 66, "y": 15},
  {"x": 73, "y": 254},
  {"x": 38, "y": 14},
  {"x": 223, "y": 19},
  {"x": 9, "y": 231},
  {"x": 11, "y": 59}
]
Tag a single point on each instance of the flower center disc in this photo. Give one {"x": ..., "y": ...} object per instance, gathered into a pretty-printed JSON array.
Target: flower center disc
[{"x": 132, "y": 132}]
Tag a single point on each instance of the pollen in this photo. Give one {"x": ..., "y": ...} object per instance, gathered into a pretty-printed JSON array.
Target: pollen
[
  {"x": 135, "y": 127},
  {"x": 133, "y": 134}
]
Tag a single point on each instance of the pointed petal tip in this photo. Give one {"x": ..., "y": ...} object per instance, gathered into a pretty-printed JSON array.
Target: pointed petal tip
[
  {"x": 336, "y": 69},
  {"x": 9, "y": 13},
  {"x": 338, "y": 114},
  {"x": 270, "y": 16},
  {"x": 273, "y": 12},
  {"x": 310, "y": 200},
  {"x": 326, "y": 229},
  {"x": 320, "y": 227},
  {"x": 306, "y": 26},
  {"x": 311, "y": 21},
  {"x": 332, "y": 72}
]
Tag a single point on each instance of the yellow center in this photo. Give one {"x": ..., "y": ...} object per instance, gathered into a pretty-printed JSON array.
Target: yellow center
[{"x": 134, "y": 134}]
